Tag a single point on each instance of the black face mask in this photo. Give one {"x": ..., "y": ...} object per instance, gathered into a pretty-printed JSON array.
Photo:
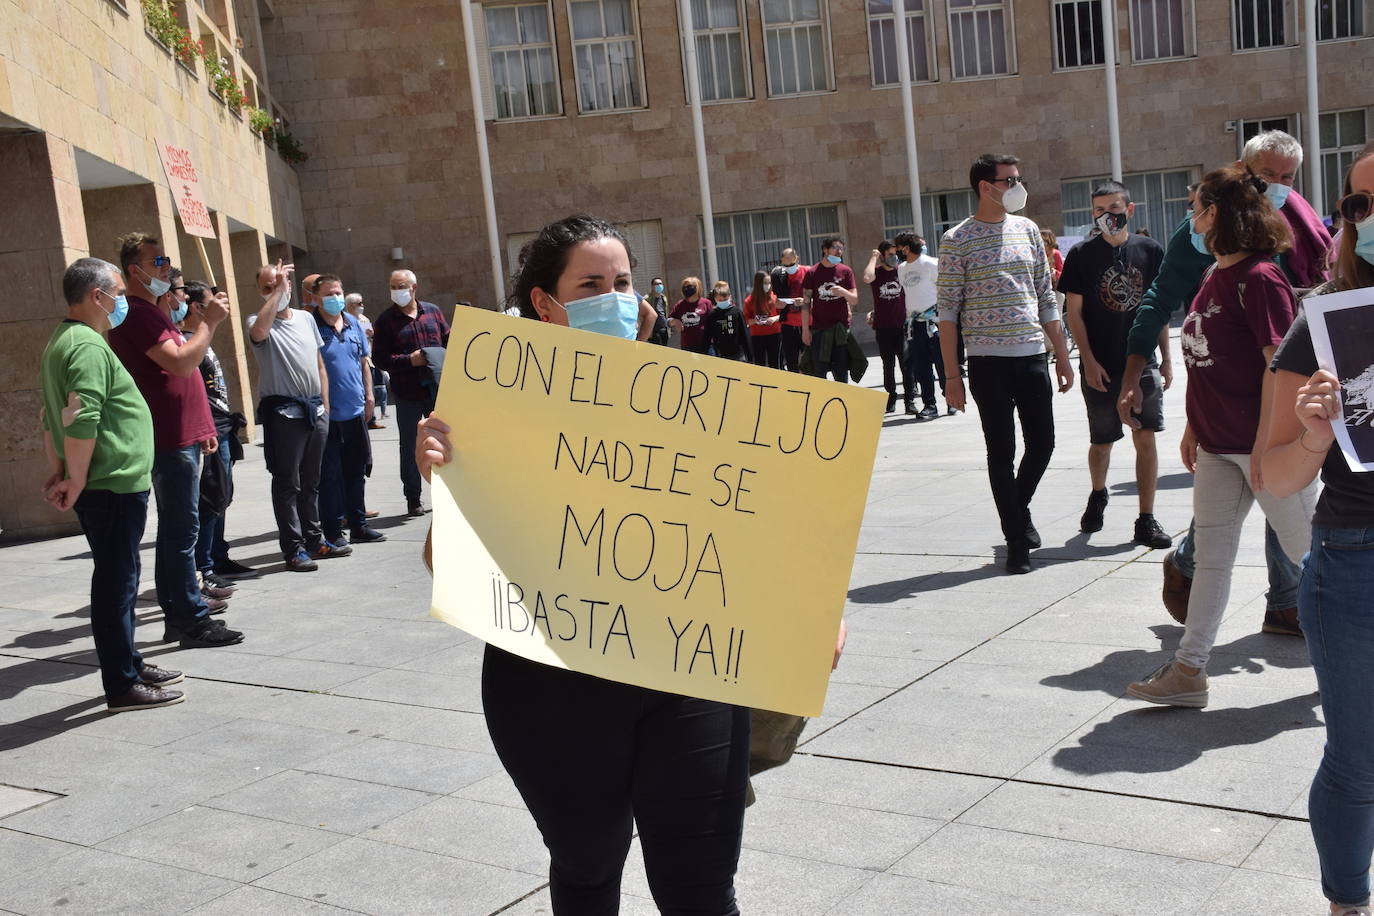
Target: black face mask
[{"x": 688, "y": 292}]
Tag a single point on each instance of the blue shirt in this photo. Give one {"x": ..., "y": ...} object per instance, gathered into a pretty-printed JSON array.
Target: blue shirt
[{"x": 343, "y": 353}]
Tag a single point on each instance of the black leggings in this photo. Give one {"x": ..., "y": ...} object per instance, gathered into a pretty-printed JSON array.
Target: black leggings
[
  {"x": 591, "y": 757},
  {"x": 767, "y": 350}
]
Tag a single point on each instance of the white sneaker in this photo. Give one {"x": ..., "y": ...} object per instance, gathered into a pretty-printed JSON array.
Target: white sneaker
[{"x": 1355, "y": 911}]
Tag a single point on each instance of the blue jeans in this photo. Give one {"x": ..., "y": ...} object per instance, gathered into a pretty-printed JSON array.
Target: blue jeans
[
  {"x": 113, "y": 524},
  {"x": 1338, "y": 621},
  {"x": 1283, "y": 572},
  {"x": 211, "y": 548},
  {"x": 176, "y": 486}
]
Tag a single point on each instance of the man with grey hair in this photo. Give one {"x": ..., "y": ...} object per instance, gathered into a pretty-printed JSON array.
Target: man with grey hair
[
  {"x": 98, "y": 440},
  {"x": 400, "y": 336},
  {"x": 353, "y": 304},
  {"x": 1276, "y": 157}
]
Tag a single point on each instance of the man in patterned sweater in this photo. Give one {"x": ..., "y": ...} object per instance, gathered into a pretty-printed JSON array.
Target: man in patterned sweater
[{"x": 994, "y": 278}]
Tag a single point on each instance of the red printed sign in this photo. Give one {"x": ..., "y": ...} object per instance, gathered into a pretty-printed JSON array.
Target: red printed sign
[{"x": 185, "y": 184}]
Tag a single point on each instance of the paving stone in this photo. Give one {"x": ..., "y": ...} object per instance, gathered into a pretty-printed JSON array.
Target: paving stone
[
  {"x": 418, "y": 689},
  {"x": 92, "y": 882},
  {"x": 1288, "y": 849},
  {"x": 423, "y": 767},
  {"x": 1246, "y": 891},
  {"x": 348, "y": 806},
  {"x": 885, "y": 895},
  {"x": 837, "y": 834},
  {"x": 875, "y": 787},
  {"x": 262, "y": 902},
  {"x": 13, "y": 800},
  {"x": 23, "y": 852},
  {"x": 265, "y": 743},
  {"x": 978, "y": 752},
  {"x": 508, "y": 838}
]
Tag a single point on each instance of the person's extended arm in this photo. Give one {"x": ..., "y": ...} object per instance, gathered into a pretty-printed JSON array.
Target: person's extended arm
[
  {"x": 1166, "y": 360},
  {"x": 647, "y": 319},
  {"x": 1063, "y": 369},
  {"x": 949, "y": 291},
  {"x": 262, "y": 324},
  {"x": 384, "y": 346},
  {"x": 806, "y": 316},
  {"x": 871, "y": 270},
  {"x": 1093, "y": 374},
  {"x": 183, "y": 360},
  {"x": 63, "y": 494},
  {"x": 324, "y": 381},
  {"x": 1262, "y": 434},
  {"x": 369, "y": 399},
  {"x": 1300, "y": 432}
]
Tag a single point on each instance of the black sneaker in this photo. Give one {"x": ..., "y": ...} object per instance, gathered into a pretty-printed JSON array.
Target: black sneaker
[
  {"x": 154, "y": 676},
  {"x": 209, "y": 635},
  {"x": 1018, "y": 557},
  {"x": 1032, "y": 536},
  {"x": 144, "y": 696},
  {"x": 229, "y": 569},
  {"x": 891, "y": 403},
  {"x": 217, "y": 580},
  {"x": 929, "y": 412},
  {"x": 415, "y": 510},
  {"x": 366, "y": 535},
  {"x": 910, "y": 407},
  {"x": 1149, "y": 534},
  {"x": 1092, "y": 516}
]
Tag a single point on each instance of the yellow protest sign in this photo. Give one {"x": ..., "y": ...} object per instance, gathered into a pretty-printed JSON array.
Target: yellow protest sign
[{"x": 653, "y": 517}]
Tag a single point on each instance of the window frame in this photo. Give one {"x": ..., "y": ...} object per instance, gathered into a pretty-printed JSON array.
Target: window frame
[
  {"x": 1335, "y": 177},
  {"x": 636, "y": 37},
  {"x": 746, "y": 56},
  {"x": 1290, "y": 24},
  {"x": 1057, "y": 49},
  {"x": 807, "y": 247},
  {"x": 1160, "y": 234},
  {"x": 827, "y": 41},
  {"x": 1189, "y": 34},
  {"x": 486, "y": 50},
  {"x": 1367, "y": 12},
  {"x": 932, "y": 45},
  {"x": 958, "y": 201},
  {"x": 1008, "y": 33}
]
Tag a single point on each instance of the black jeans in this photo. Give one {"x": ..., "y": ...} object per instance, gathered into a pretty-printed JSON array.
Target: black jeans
[
  {"x": 891, "y": 351},
  {"x": 293, "y": 450},
  {"x": 592, "y": 757},
  {"x": 925, "y": 362},
  {"x": 113, "y": 524},
  {"x": 791, "y": 348},
  {"x": 341, "y": 476},
  {"x": 767, "y": 350},
  {"x": 1002, "y": 386},
  {"x": 408, "y": 416}
]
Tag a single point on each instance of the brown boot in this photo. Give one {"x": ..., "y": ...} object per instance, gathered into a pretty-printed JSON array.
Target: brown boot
[
  {"x": 1177, "y": 588},
  {"x": 1284, "y": 622}
]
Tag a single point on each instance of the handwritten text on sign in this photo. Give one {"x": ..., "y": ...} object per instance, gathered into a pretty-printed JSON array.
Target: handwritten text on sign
[
  {"x": 184, "y": 181},
  {"x": 649, "y": 516}
]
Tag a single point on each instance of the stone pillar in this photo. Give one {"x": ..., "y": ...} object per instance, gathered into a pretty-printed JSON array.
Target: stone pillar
[
  {"x": 114, "y": 212},
  {"x": 247, "y": 252},
  {"x": 231, "y": 340},
  {"x": 43, "y": 231}
]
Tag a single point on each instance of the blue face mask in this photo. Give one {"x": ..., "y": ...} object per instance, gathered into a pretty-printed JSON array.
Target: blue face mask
[
  {"x": 179, "y": 313},
  {"x": 614, "y": 313},
  {"x": 791, "y": 268},
  {"x": 658, "y": 288},
  {"x": 723, "y": 303},
  {"x": 1277, "y": 194},
  {"x": 1364, "y": 239},
  {"x": 332, "y": 305},
  {"x": 833, "y": 259},
  {"x": 121, "y": 310},
  {"x": 1199, "y": 240},
  {"x": 155, "y": 285}
]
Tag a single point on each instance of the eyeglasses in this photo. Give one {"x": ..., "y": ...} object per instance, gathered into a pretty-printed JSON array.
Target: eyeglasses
[
  {"x": 1010, "y": 181},
  {"x": 162, "y": 260},
  {"x": 1356, "y": 207}
]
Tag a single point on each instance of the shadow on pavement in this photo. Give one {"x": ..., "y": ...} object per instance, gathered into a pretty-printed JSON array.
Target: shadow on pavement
[{"x": 1180, "y": 481}]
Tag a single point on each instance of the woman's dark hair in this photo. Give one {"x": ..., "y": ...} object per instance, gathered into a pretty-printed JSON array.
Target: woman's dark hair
[
  {"x": 984, "y": 168},
  {"x": 757, "y": 294},
  {"x": 196, "y": 292},
  {"x": 1245, "y": 219},
  {"x": 544, "y": 257}
]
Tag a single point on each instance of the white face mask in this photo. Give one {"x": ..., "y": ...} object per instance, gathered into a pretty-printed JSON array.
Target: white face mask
[
  {"x": 401, "y": 297},
  {"x": 285, "y": 300},
  {"x": 1015, "y": 198}
]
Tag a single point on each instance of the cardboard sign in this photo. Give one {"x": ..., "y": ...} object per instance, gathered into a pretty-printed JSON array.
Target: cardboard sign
[
  {"x": 676, "y": 521},
  {"x": 1342, "y": 327},
  {"x": 184, "y": 181}
]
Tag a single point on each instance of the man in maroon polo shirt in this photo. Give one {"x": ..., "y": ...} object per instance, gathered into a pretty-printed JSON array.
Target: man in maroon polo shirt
[
  {"x": 166, "y": 368},
  {"x": 399, "y": 337}
]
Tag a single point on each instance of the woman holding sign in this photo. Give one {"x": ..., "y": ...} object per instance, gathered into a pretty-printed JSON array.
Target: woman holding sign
[
  {"x": 1338, "y": 577},
  {"x": 593, "y": 758}
]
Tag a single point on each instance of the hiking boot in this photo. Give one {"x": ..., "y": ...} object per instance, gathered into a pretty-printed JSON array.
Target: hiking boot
[
  {"x": 1149, "y": 534},
  {"x": 1092, "y": 516},
  {"x": 1283, "y": 622},
  {"x": 1177, "y": 588},
  {"x": 1169, "y": 686},
  {"x": 144, "y": 696},
  {"x": 154, "y": 676},
  {"x": 1018, "y": 557},
  {"x": 891, "y": 403}
]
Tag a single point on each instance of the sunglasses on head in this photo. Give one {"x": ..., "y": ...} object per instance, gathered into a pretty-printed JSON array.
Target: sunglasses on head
[{"x": 1356, "y": 207}]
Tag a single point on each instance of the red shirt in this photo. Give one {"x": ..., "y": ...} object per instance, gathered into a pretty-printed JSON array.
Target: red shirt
[
  {"x": 796, "y": 285},
  {"x": 750, "y": 313},
  {"x": 690, "y": 312},
  {"x": 828, "y": 310},
  {"x": 180, "y": 407},
  {"x": 889, "y": 299},
  {"x": 1238, "y": 311}
]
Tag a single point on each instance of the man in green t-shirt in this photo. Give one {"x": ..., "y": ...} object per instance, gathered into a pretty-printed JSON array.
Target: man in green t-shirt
[{"x": 98, "y": 437}]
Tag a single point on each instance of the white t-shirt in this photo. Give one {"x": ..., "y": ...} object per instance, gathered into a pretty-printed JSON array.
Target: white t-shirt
[{"x": 918, "y": 279}]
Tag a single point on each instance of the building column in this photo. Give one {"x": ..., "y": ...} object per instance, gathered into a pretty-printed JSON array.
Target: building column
[
  {"x": 231, "y": 342},
  {"x": 247, "y": 252},
  {"x": 44, "y": 230}
]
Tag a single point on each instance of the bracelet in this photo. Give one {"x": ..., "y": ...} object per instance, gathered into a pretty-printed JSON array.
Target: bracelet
[{"x": 1310, "y": 451}]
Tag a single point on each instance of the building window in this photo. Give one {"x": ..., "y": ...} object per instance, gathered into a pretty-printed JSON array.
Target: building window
[
  {"x": 645, "y": 239},
  {"x": 524, "y": 75},
  {"x": 940, "y": 212},
  {"x": 1078, "y": 34},
  {"x": 1161, "y": 29},
  {"x": 722, "y": 61},
  {"x": 1343, "y": 134},
  {"x": 1160, "y": 198},
  {"x": 1341, "y": 19},
  {"x": 882, "y": 42},
  {"x": 606, "y": 52},
  {"x": 978, "y": 44},
  {"x": 796, "y": 46},
  {"x": 1259, "y": 24},
  {"x": 746, "y": 242}
]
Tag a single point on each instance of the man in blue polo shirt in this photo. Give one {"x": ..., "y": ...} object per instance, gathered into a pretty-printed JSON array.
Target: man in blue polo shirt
[{"x": 347, "y": 451}]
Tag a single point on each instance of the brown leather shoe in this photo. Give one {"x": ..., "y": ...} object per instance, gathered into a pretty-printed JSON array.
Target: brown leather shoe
[
  {"x": 1282, "y": 623},
  {"x": 154, "y": 676},
  {"x": 1177, "y": 588},
  {"x": 144, "y": 696}
]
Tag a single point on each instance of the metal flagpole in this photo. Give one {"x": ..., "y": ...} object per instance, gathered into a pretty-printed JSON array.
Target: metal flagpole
[
  {"x": 1113, "y": 119},
  {"x": 708, "y": 217},
  {"x": 1313, "y": 144},
  {"x": 483, "y": 156},
  {"x": 908, "y": 114}
]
